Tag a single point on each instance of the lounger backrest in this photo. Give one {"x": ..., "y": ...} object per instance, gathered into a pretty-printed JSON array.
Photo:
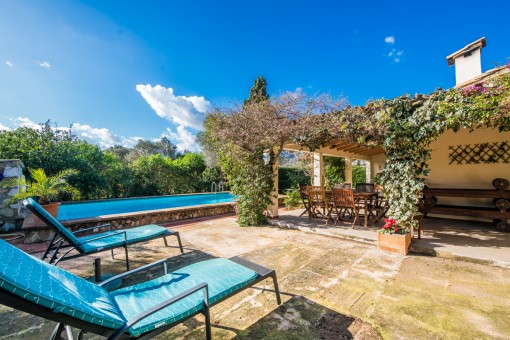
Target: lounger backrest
[
  {"x": 34, "y": 207},
  {"x": 54, "y": 288}
]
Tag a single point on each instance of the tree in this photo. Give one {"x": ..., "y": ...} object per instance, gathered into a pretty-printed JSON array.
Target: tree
[
  {"x": 163, "y": 146},
  {"x": 258, "y": 92},
  {"x": 249, "y": 138},
  {"x": 191, "y": 167}
]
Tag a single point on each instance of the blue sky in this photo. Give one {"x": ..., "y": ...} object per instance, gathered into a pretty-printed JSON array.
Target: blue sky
[{"x": 122, "y": 70}]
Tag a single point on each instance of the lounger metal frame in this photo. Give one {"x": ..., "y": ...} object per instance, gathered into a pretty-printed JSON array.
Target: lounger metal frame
[
  {"x": 60, "y": 242},
  {"x": 65, "y": 322}
]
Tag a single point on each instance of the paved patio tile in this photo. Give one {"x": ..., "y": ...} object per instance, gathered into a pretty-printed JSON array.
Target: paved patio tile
[{"x": 331, "y": 288}]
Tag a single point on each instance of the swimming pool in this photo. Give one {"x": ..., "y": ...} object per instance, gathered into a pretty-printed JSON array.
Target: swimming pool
[{"x": 76, "y": 210}]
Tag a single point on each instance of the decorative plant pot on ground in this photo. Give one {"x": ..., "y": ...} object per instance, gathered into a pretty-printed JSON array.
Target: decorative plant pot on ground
[
  {"x": 51, "y": 208},
  {"x": 393, "y": 238},
  {"x": 394, "y": 243}
]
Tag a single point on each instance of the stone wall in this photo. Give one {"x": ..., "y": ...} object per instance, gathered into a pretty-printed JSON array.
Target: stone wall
[
  {"x": 11, "y": 215},
  {"x": 38, "y": 233}
]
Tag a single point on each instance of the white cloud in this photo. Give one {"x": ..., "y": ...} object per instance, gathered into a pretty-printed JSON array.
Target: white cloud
[
  {"x": 44, "y": 64},
  {"x": 100, "y": 136},
  {"x": 3, "y": 127},
  {"x": 24, "y": 121},
  {"x": 8, "y": 63},
  {"x": 395, "y": 55},
  {"x": 181, "y": 110},
  {"x": 389, "y": 40},
  {"x": 183, "y": 139}
]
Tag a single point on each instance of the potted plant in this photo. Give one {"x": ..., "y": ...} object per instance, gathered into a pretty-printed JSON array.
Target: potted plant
[
  {"x": 44, "y": 189},
  {"x": 394, "y": 238}
]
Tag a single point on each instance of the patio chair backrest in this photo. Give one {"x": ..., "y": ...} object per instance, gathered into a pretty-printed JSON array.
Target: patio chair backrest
[
  {"x": 343, "y": 185},
  {"x": 343, "y": 198},
  {"x": 365, "y": 187},
  {"x": 49, "y": 286},
  {"x": 51, "y": 221},
  {"x": 302, "y": 191},
  {"x": 316, "y": 194}
]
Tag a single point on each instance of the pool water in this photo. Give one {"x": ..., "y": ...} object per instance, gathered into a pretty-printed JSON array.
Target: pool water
[{"x": 71, "y": 211}]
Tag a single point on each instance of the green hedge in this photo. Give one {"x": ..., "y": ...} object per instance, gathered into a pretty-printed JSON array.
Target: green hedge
[{"x": 289, "y": 178}]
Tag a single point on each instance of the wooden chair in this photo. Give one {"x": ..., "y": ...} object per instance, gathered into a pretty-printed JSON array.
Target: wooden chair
[
  {"x": 343, "y": 199},
  {"x": 317, "y": 198},
  {"x": 304, "y": 198},
  {"x": 378, "y": 208},
  {"x": 343, "y": 185},
  {"x": 365, "y": 187}
]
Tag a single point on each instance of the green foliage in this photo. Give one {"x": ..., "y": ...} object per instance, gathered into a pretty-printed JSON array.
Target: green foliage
[
  {"x": 289, "y": 178},
  {"x": 359, "y": 175},
  {"x": 293, "y": 199},
  {"x": 43, "y": 188},
  {"x": 258, "y": 92},
  {"x": 334, "y": 170},
  {"x": 250, "y": 180},
  {"x": 149, "y": 168}
]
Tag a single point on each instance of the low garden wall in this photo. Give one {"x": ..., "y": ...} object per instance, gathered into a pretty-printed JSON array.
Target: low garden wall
[{"x": 36, "y": 232}]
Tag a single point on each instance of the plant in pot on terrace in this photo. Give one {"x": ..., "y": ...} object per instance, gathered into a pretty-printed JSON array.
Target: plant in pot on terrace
[
  {"x": 393, "y": 237},
  {"x": 44, "y": 189}
]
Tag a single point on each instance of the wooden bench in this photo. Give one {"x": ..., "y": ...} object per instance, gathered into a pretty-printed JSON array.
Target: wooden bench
[{"x": 499, "y": 213}]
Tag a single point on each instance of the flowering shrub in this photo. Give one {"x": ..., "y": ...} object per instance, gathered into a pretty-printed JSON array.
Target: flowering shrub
[{"x": 391, "y": 227}]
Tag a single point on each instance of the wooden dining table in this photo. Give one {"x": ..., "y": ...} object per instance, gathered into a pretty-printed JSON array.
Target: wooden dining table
[{"x": 366, "y": 196}]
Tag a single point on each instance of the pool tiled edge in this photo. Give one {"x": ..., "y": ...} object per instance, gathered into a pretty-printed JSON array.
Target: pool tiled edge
[{"x": 39, "y": 233}]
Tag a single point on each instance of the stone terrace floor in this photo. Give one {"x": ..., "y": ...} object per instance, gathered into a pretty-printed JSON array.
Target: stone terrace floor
[{"x": 333, "y": 287}]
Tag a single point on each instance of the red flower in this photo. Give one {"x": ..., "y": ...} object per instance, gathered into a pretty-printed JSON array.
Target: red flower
[{"x": 396, "y": 229}]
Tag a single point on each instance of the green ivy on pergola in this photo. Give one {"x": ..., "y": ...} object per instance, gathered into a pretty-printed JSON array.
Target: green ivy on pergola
[{"x": 403, "y": 126}]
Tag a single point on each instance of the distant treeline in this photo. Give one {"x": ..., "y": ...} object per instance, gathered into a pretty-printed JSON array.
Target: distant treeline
[{"x": 149, "y": 168}]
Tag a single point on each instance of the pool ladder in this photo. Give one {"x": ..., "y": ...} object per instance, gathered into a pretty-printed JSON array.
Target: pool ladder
[{"x": 217, "y": 188}]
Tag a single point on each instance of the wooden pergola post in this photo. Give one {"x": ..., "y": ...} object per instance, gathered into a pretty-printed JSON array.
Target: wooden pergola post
[
  {"x": 318, "y": 168},
  {"x": 348, "y": 170}
]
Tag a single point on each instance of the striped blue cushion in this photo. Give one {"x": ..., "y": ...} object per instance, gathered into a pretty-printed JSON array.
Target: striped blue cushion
[
  {"x": 54, "y": 288},
  {"x": 222, "y": 275}
]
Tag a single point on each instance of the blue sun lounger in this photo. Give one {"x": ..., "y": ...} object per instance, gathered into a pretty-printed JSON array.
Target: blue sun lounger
[
  {"x": 140, "y": 311},
  {"x": 95, "y": 243}
]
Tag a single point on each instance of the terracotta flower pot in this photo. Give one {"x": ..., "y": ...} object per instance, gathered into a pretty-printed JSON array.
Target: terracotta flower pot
[
  {"x": 51, "y": 208},
  {"x": 394, "y": 243}
]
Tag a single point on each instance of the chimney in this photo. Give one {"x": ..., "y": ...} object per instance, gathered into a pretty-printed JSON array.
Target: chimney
[{"x": 467, "y": 61}]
